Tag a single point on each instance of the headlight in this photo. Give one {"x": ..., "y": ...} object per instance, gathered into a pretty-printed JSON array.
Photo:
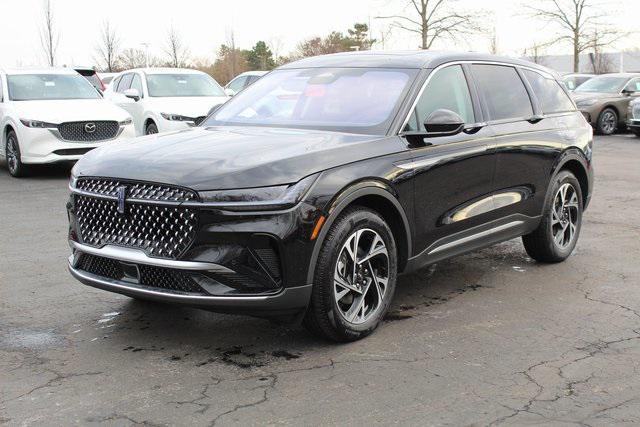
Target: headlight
[
  {"x": 261, "y": 198},
  {"x": 126, "y": 122},
  {"x": 176, "y": 117},
  {"x": 38, "y": 124},
  {"x": 586, "y": 102}
]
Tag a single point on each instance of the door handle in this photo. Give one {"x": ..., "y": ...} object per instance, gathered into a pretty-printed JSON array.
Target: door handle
[{"x": 473, "y": 127}]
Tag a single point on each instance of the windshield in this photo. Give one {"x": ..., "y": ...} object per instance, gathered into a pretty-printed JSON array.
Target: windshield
[
  {"x": 32, "y": 87},
  {"x": 171, "y": 85},
  {"x": 358, "y": 100},
  {"x": 603, "y": 84}
]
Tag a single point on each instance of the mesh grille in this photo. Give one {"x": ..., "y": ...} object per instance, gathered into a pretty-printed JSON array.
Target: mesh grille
[
  {"x": 77, "y": 131},
  {"x": 636, "y": 111},
  {"x": 160, "y": 231},
  {"x": 136, "y": 190},
  {"x": 156, "y": 277}
]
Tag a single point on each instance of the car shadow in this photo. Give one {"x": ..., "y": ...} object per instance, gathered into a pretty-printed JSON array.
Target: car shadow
[
  {"x": 200, "y": 337},
  {"x": 42, "y": 172}
]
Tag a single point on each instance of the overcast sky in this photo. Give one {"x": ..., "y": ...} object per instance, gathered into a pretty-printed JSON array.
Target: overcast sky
[{"x": 206, "y": 24}]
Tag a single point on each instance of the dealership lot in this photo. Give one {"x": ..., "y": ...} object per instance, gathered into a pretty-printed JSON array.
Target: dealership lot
[{"x": 487, "y": 338}]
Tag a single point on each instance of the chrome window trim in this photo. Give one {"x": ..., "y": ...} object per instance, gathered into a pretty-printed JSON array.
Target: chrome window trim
[{"x": 447, "y": 64}]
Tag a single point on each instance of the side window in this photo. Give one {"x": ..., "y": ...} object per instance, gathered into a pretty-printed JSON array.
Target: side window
[
  {"x": 549, "y": 93},
  {"x": 238, "y": 84},
  {"x": 503, "y": 91},
  {"x": 446, "y": 89},
  {"x": 633, "y": 85},
  {"x": 125, "y": 83},
  {"x": 136, "y": 83}
]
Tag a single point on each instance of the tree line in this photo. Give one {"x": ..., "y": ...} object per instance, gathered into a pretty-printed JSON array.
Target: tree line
[{"x": 580, "y": 24}]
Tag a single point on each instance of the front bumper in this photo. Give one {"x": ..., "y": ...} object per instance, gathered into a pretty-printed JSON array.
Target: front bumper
[
  {"x": 633, "y": 123},
  {"x": 42, "y": 146},
  {"x": 283, "y": 302}
]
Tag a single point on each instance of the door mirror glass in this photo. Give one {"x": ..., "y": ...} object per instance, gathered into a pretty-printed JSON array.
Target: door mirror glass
[
  {"x": 443, "y": 122},
  {"x": 132, "y": 93}
]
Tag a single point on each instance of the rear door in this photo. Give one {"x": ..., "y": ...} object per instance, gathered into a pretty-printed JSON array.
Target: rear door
[
  {"x": 452, "y": 174},
  {"x": 528, "y": 137}
]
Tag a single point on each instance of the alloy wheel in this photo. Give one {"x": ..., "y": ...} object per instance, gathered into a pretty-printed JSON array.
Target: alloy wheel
[
  {"x": 361, "y": 276},
  {"x": 564, "y": 215},
  {"x": 12, "y": 155},
  {"x": 608, "y": 123}
]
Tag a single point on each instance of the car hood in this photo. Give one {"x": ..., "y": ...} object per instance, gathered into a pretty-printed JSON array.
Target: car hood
[
  {"x": 581, "y": 96},
  {"x": 191, "y": 106},
  {"x": 71, "y": 110},
  {"x": 214, "y": 158}
]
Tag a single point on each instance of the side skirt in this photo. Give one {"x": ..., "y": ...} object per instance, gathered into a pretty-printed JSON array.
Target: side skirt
[{"x": 473, "y": 239}]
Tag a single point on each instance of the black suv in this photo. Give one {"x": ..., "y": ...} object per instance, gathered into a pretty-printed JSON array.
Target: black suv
[{"x": 308, "y": 193}]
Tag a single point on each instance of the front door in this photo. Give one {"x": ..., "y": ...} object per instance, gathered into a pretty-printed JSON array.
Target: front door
[{"x": 453, "y": 175}]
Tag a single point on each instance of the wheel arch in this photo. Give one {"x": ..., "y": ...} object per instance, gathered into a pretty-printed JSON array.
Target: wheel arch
[
  {"x": 8, "y": 127},
  {"x": 148, "y": 121},
  {"x": 573, "y": 161},
  {"x": 379, "y": 197}
]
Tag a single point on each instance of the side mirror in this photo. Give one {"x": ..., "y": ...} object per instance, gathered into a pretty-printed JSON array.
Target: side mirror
[
  {"x": 229, "y": 92},
  {"x": 443, "y": 123},
  {"x": 133, "y": 94}
]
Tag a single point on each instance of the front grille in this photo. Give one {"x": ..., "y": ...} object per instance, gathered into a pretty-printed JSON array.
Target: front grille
[
  {"x": 636, "y": 111},
  {"x": 82, "y": 131},
  {"x": 136, "y": 190},
  {"x": 154, "y": 277},
  {"x": 160, "y": 231}
]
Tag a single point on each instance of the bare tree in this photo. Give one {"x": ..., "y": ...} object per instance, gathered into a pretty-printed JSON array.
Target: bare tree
[
  {"x": 600, "y": 62},
  {"x": 132, "y": 58},
  {"x": 575, "y": 20},
  {"x": 175, "y": 49},
  {"x": 49, "y": 37},
  {"x": 435, "y": 19},
  {"x": 493, "y": 41},
  {"x": 535, "y": 53},
  {"x": 108, "y": 47}
]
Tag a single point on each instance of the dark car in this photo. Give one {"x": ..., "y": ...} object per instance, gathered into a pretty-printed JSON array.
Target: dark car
[{"x": 306, "y": 195}]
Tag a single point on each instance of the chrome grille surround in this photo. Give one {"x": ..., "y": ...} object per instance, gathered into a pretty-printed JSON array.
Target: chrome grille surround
[
  {"x": 160, "y": 230},
  {"x": 76, "y": 132}
]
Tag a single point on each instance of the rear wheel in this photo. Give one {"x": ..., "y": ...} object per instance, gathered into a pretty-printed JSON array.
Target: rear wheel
[
  {"x": 151, "y": 129},
  {"x": 607, "y": 121},
  {"x": 355, "y": 277},
  {"x": 13, "y": 156},
  {"x": 557, "y": 235}
]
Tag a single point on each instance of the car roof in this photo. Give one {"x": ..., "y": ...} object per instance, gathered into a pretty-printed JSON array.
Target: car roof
[
  {"x": 253, "y": 73},
  {"x": 626, "y": 75},
  {"x": 403, "y": 59},
  {"x": 163, "y": 70},
  {"x": 39, "y": 70}
]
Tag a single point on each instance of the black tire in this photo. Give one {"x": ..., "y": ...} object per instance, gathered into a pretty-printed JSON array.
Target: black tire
[
  {"x": 15, "y": 166},
  {"x": 607, "y": 122},
  {"x": 325, "y": 316},
  {"x": 636, "y": 132},
  {"x": 151, "y": 129},
  {"x": 540, "y": 244}
]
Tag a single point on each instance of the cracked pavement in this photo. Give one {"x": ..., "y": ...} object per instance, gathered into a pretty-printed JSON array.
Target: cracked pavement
[{"x": 489, "y": 338}]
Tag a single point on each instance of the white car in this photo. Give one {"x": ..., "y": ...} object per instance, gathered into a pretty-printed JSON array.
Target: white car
[
  {"x": 54, "y": 115},
  {"x": 165, "y": 99},
  {"x": 243, "y": 80},
  {"x": 106, "y": 78}
]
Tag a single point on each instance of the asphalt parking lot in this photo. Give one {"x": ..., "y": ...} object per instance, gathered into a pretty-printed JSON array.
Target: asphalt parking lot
[{"x": 484, "y": 339}]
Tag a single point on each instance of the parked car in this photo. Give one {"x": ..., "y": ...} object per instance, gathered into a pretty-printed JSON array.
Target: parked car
[
  {"x": 106, "y": 78},
  {"x": 91, "y": 75},
  {"x": 242, "y": 81},
  {"x": 386, "y": 163},
  {"x": 54, "y": 115},
  {"x": 573, "y": 80},
  {"x": 604, "y": 100},
  {"x": 633, "y": 116},
  {"x": 165, "y": 99}
]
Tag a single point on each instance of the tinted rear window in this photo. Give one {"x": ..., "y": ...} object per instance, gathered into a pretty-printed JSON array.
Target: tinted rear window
[
  {"x": 503, "y": 91},
  {"x": 549, "y": 93}
]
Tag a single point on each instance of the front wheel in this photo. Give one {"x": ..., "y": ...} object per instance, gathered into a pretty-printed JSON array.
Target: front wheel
[
  {"x": 355, "y": 277},
  {"x": 557, "y": 235},
  {"x": 151, "y": 129},
  {"x": 607, "y": 122},
  {"x": 12, "y": 154}
]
